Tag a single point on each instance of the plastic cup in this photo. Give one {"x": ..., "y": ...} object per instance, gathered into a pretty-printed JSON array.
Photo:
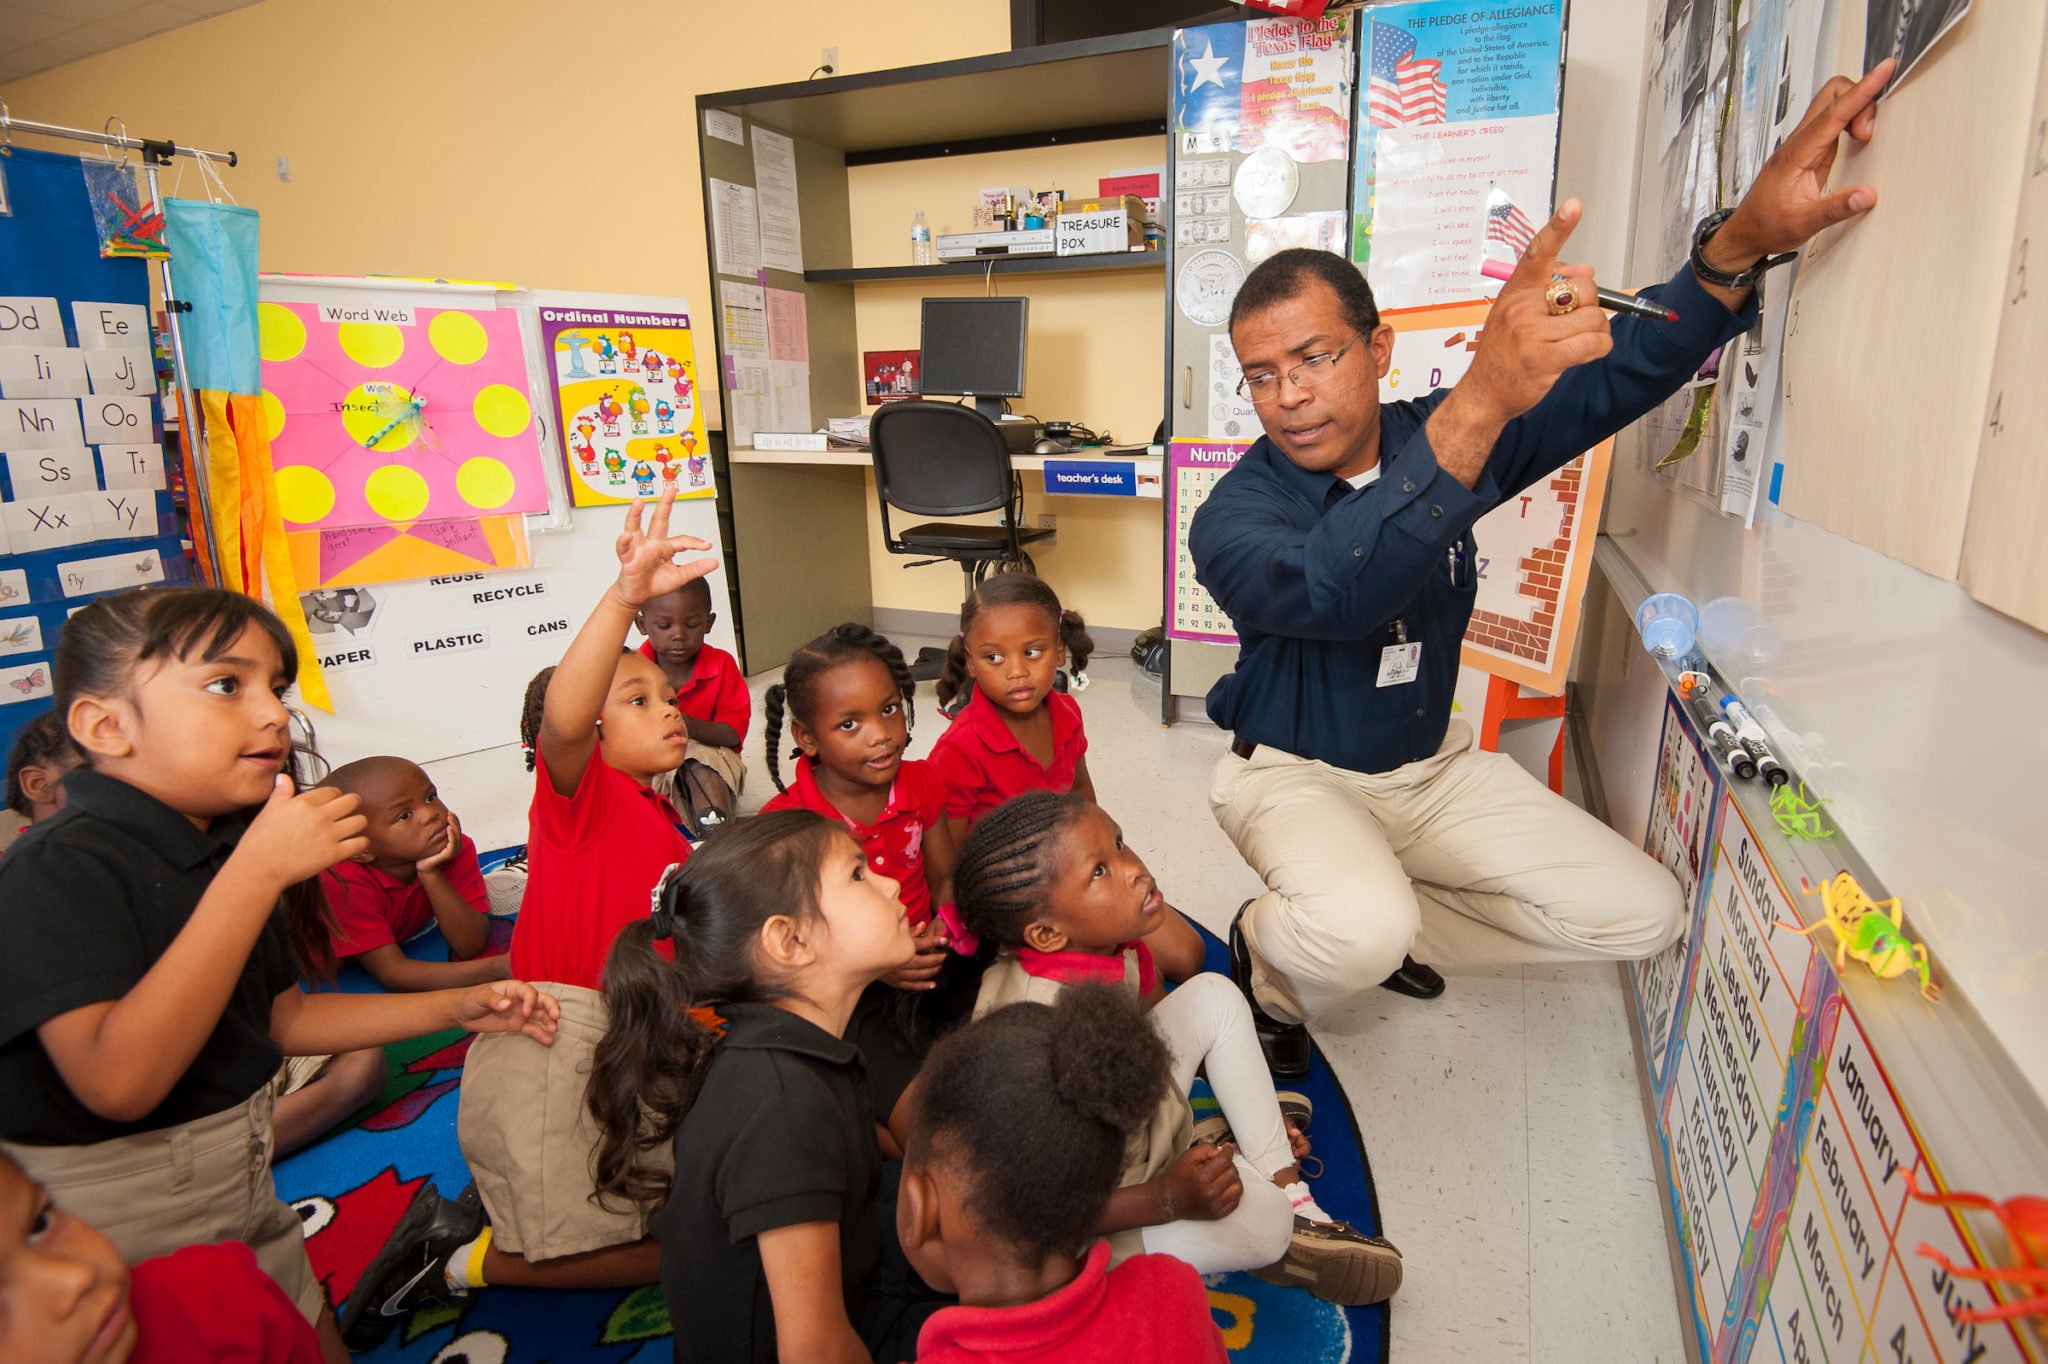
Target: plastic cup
[
  {"x": 1668, "y": 622},
  {"x": 1733, "y": 630}
]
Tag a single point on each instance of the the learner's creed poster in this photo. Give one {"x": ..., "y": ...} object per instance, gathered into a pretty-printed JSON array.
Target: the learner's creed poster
[
  {"x": 1454, "y": 100},
  {"x": 1283, "y": 83},
  {"x": 625, "y": 391},
  {"x": 1192, "y": 468}
]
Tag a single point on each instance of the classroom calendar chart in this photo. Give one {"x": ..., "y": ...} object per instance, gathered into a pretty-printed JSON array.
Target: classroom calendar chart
[
  {"x": 1192, "y": 468},
  {"x": 1786, "y": 1149}
]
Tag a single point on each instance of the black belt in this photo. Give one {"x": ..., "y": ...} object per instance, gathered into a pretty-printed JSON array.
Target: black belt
[{"x": 1243, "y": 748}]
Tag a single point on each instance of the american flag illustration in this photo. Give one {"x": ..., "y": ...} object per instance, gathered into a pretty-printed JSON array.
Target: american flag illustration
[
  {"x": 1404, "y": 90},
  {"x": 1508, "y": 225}
]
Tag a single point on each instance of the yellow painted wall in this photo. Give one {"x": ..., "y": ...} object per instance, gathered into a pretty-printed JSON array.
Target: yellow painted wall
[
  {"x": 554, "y": 147},
  {"x": 1095, "y": 354}
]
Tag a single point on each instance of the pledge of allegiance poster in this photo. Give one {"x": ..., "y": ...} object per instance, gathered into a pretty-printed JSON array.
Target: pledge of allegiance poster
[
  {"x": 625, "y": 390},
  {"x": 1456, "y": 98},
  {"x": 1281, "y": 82}
]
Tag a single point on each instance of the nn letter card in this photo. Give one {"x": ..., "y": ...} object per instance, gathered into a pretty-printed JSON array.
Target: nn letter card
[{"x": 40, "y": 424}]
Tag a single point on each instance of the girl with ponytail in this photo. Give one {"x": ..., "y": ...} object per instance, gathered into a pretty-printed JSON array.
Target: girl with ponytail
[{"x": 726, "y": 1063}]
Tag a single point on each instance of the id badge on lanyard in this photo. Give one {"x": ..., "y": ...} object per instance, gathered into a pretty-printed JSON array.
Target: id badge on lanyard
[{"x": 1401, "y": 661}]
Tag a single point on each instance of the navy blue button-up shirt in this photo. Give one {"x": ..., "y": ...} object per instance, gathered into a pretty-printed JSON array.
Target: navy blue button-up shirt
[{"x": 1314, "y": 591}]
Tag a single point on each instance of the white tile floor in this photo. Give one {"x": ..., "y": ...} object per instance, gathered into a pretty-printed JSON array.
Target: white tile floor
[{"x": 1502, "y": 1120}]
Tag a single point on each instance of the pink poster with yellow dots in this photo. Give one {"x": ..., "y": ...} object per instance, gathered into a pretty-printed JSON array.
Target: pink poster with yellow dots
[{"x": 388, "y": 408}]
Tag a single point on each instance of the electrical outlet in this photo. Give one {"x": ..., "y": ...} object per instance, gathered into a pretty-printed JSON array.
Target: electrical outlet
[
  {"x": 284, "y": 168},
  {"x": 1047, "y": 521},
  {"x": 828, "y": 57}
]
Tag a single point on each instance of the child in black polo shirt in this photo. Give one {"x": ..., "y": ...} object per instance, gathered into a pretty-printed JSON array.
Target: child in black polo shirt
[
  {"x": 148, "y": 980},
  {"x": 768, "y": 1228}
]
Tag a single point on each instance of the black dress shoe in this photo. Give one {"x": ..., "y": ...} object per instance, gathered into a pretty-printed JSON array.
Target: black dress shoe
[
  {"x": 1414, "y": 980},
  {"x": 1285, "y": 1044}
]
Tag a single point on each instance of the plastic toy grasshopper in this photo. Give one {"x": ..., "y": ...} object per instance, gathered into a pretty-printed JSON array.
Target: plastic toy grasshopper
[
  {"x": 1868, "y": 930},
  {"x": 2025, "y": 1220}
]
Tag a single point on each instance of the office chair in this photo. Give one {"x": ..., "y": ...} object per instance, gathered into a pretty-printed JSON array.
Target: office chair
[{"x": 946, "y": 459}]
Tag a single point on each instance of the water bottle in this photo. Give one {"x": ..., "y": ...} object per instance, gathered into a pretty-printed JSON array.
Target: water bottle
[
  {"x": 921, "y": 241},
  {"x": 1667, "y": 621}
]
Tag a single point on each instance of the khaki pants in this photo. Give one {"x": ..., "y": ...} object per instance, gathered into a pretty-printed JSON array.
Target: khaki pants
[
  {"x": 206, "y": 1181},
  {"x": 1463, "y": 858}
]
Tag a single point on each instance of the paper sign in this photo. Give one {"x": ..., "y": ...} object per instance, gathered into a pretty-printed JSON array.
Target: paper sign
[
  {"x": 110, "y": 573},
  {"x": 31, "y": 683},
  {"x": 103, "y": 326},
  {"x": 30, "y": 322},
  {"x": 1092, "y": 234},
  {"x": 1091, "y": 477},
  {"x": 116, "y": 421},
  {"x": 133, "y": 466},
  {"x": 453, "y": 642},
  {"x": 123, "y": 515},
  {"x": 42, "y": 372},
  {"x": 35, "y": 523},
  {"x": 126, "y": 370},
  {"x": 725, "y": 125},
  {"x": 13, "y": 587},
  {"x": 342, "y": 657},
  {"x": 40, "y": 424},
  {"x": 789, "y": 336},
  {"x": 21, "y": 635},
  {"x": 46, "y": 473}
]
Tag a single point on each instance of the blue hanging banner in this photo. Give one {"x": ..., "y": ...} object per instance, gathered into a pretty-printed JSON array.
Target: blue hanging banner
[{"x": 85, "y": 499}]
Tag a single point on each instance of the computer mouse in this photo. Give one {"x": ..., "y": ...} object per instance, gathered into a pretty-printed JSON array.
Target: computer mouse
[{"x": 1049, "y": 446}]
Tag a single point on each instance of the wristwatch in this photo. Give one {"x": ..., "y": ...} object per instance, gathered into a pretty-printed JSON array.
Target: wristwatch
[{"x": 1708, "y": 226}]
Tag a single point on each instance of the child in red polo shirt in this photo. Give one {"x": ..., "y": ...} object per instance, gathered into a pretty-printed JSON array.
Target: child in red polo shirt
[
  {"x": 67, "y": 1297},
  {"x": 1004, "y": 1185},
  {"x": 420, "y": 868},
  {"x": 709, "y": 690},
  {"x": 1049, "y": 879},
  {"x": 598, "y": 728},
  {"x": 849, "y": 697},
  {"x": 1017, "y": 733}
]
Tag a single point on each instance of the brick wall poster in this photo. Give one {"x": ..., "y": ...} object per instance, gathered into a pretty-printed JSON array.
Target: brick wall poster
[{"x": 1535, "y": 549}]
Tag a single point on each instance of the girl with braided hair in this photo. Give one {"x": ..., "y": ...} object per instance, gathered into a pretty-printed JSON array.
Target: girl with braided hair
[
  {"x": 848, "y": 698},
  {"x": 1048, "y": 878},
  {"x": 1017, "y": 732}
]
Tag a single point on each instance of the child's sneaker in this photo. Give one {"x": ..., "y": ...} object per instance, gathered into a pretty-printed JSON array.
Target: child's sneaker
[
  {"x": 411, "y": 1270},
  {"x": 1332, "y": 1259},
  {"x": 1295, "y": 1110}
]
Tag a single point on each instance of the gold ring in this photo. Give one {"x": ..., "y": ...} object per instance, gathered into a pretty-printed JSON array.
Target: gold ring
[{"x": 1561, "y": 296}]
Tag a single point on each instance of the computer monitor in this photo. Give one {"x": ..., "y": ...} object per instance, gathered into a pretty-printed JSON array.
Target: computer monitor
[{"x": 974, "y": 348}]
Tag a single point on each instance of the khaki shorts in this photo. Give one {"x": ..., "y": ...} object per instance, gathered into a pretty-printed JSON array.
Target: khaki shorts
[
  {"x": 206, "y": 1181},
  {"x": 530, "y": 1141},
  {"x": 296, "y": 1073}
]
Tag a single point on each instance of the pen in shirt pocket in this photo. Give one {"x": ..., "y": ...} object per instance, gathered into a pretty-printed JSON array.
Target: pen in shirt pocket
[{"x": 1456, "y": 555}]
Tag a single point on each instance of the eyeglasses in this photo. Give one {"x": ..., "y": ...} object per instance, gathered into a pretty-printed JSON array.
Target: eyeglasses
[{"x": 1312, "y": 372}]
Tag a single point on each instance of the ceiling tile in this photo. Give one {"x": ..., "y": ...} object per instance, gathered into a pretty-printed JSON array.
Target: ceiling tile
[
  {"x": 147, "y": 19},
  {"x": 18, "y": 26},
  {"x": 77, "y": 11}
]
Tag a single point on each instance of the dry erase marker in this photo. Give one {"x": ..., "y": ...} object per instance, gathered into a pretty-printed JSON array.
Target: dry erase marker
[
  {"x": 1721, "y": 735},
  {"x": 1752, "y": 735},
  {"x": 1620, "y": 303}
]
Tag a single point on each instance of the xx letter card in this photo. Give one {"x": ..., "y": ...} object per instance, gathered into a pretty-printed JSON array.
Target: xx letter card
[
  {"x": 106, "y": 326},
  {"x": 31, "y": 322},
  {"x": 116, "y": 421},
  {"x": 110, "y": 573},
  {"x": 133, "y": 466},
  {"x": 35, "y": 523},
  {"x": 40, "y": 424},
  {"x": 42, "y": 372},
  {"x": 46, "y": 473},
  {"x": 126, "y": 370}
]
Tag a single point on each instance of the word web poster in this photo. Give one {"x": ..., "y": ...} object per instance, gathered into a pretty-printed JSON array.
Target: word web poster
[
  {"x": 1785, "y": 1145},
  {"x": 87, "y": 507},
  {"x": 625, "y": 394}
]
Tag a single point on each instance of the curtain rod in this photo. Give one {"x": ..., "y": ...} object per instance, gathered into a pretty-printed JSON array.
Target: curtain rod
[{"x": 152, "y": 149}]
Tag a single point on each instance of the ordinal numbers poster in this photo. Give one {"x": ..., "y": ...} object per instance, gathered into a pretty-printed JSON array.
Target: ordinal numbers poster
[
  {"x": 1456, "y": 100},
  {"x": 625, "y": 390}
]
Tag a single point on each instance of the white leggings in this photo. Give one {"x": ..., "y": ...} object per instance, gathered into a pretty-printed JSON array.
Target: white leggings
[{"x": 1206, "y": 1023}]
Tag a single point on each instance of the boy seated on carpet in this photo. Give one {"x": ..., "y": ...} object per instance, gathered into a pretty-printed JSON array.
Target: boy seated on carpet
[
  {"x": 43, "y": 753},
  {"x": 66, "y": 1296},
  {"x": 419, "y": 868}
]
